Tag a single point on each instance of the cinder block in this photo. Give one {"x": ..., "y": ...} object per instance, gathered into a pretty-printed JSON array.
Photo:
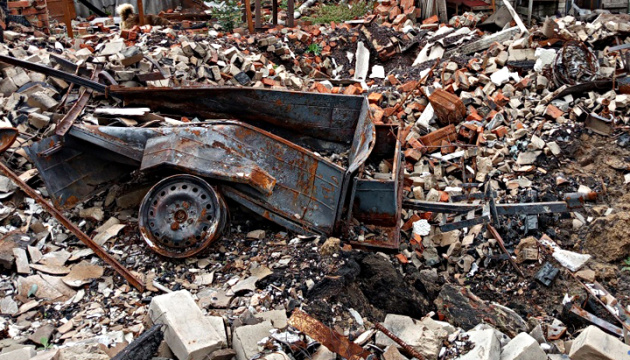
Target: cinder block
[{"x": 189, "y": 334}]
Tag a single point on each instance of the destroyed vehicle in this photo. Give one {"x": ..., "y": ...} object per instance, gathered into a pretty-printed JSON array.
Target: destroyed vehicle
[{"x": 259, "y": 148}]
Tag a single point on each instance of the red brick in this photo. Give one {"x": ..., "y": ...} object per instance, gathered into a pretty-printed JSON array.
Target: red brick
[
  {"x": 432, "y": 20},
  {"x": 377, "y": 114},
  {"x": 501, "y": 131},
  {"x": 319, "y": 87},
  {"x": 268, "y": 81},
  {"x": 392, "y": 80},
  {"x": 409, "y": 223},
  {"x": 402, "y": 258},
  {"x": 408, "y": 86},
  {"x": 553, "y": 112},
  {"x": 375, "y": 97},
  {"x": 352, "y": 90},
  {"x": 413, "y": 154},
  {"x": 18, "y": 4}
]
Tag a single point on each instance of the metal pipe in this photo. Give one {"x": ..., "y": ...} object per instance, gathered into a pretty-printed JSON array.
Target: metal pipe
[
  {"x": 54, "y": 73},
  {"x": 496, "y": 235}
]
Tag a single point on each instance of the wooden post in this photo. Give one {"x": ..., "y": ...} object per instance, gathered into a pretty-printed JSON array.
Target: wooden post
[
  {"x": 530, "y": 9},
  {"x": 67, "y": 18},
  {"x": 494, "y": 6},
  {"x": 290, "y": 11},
  {"x": 274, "y": 12},
  {"x": 140, "y": 12},
  {"x": 248, "y": 14},
  {"x": 258, "y": 13}
]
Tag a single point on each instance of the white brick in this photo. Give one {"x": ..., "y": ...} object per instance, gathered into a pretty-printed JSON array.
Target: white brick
[
  {"x": 523, "y": 347},
  {"x": 185, "y": 324},
  {"x": 594, "y": 344}
]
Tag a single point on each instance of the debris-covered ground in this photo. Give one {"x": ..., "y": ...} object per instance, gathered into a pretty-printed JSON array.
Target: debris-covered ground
[{"x": 508, "y": 158}]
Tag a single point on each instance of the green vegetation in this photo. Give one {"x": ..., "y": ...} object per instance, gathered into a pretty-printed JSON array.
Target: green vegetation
[
  {"x": 314, "y": 49},
  {"x": 45, "y": 343},
  {"x": 228, "y": 15},
  {"x": 338, "y": 12},
  {"x": 627, "y": 262}
]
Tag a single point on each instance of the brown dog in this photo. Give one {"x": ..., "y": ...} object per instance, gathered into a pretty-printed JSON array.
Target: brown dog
[{"x": 128, "y": 18}]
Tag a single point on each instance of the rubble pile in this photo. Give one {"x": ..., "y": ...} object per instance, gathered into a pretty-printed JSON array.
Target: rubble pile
[{"x": 508, "y": 161}]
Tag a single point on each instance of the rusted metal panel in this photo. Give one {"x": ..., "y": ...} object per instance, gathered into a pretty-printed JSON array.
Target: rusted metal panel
[
  {"x": 379, "y": 202},
  {"x": 211, "y": 157},
  {"x": 72, "y": 173},
  {"x": 326, "y": 336},
  {"x": 331, "y": 117}
]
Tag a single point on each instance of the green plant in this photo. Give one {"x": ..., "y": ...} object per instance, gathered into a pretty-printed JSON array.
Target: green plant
[
  {"x": 338, "y": 12},
  {"x": 228, "y": 14},
  {"x": 314, "y": 49},
  {"x": 284, "y": 4},
  {"x": 45, "y": 343},
  {"x": 627, "y": 262}
]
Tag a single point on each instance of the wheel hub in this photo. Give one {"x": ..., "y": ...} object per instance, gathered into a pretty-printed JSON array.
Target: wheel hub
[{"x": 181, "y": 215}]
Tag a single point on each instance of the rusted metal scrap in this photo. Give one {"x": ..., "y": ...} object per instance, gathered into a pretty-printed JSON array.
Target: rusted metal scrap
[
  {"x": 410, "y": 350},
  {"x": 600, "y": 124},
  {"x": 495, "y": 234},
  {"x": 587, "y": 316},
  {"x": 575, "y": 64},
  {"x": 328, "y": 337},
  {"x": 8, "y": 136},
  {"x": 266, "y": 160}
]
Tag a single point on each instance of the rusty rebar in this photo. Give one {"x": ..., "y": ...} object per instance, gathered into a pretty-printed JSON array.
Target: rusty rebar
[
  {"x": 496, "y": 235},
  {"x": 57, "y": 214},
  {"x": 410, "y": 350}
]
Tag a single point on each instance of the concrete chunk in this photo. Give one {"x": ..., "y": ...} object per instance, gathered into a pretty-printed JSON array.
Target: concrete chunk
[
  {"x": 413, "y": 332},
  {"x": 42, "y": 100},
  {"x": 277, "y": 317},
  {"x": 185, "y": 322},
  {"x": 523, "y": 347},
  {"x": 594, "y": 344},
  {"x": 19, "y": 354},
  {"x": 486, "y": 346},
  {"x": 246, "y": 338}
]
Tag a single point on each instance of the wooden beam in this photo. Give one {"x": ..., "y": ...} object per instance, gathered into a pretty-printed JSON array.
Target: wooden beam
[
  {"x": 67, "y": 18},
  {"x": 515, "y": 16},
  {"x": 258, "y": 13},
  {"x": 140, "y": 12},
  {"x": 290, "y": 13},
  {"x": 274, "y": 12},
  {"x": 483, "y": 43},
  {"x": 248, "y": 15}
]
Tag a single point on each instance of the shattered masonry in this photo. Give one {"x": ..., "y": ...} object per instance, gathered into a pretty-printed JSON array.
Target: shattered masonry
[{"x": 438, "y": 179}]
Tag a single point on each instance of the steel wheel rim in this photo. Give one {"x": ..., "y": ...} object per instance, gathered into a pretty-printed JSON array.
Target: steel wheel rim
[{"x": 181, "y": 215}]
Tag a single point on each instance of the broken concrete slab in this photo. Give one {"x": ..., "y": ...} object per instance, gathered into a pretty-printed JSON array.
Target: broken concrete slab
[
  {"x": 523, "y": 347},
  {"x": 595, "y": 344},
  {"x": 245, "y": 339},
  {"x": 413, "y": 332}
]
